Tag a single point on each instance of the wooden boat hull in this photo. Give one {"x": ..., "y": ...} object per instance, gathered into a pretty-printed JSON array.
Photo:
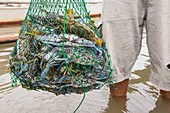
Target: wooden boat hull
[
  {"x": 16, "y": 13},
  {"x": 9, "y": 14}
]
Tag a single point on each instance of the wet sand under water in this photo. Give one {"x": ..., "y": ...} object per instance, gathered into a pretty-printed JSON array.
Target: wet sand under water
[{"x": 142, "y": 97}]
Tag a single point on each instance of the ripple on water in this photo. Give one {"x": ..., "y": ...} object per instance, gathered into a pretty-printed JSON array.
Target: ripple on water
[
  {"x": 9, "y": 49},
  {"x": 4, "y": 53},
  {"x": 20, "y": 100},
  {"x": 2, "y": 60}
]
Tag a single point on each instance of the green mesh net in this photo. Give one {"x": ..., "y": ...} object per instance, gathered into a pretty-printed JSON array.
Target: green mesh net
[{"x": 59, "y": 49}]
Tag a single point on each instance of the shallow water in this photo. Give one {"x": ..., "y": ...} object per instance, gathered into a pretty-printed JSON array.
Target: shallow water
[{"x": 142, "y": 97}]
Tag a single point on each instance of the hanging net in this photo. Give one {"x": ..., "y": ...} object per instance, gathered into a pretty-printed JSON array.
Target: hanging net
[{"x": 59, "y": 49}]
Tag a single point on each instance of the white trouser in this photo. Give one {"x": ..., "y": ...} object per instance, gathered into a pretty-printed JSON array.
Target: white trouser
[{"x": 123, "y": 22}]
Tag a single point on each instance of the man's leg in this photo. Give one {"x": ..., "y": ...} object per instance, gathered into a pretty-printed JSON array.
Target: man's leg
[
  {"x": 158, "y": 29},
  {"x": 122, "y": 31},
  {"x": 119, "y": 89},
  {"x": 165, "y": 94}
]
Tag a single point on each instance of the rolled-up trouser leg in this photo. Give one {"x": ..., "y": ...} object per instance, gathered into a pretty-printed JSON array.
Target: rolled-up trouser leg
[
  {"x": 158, "y": 30},
  {"x": 122, "y": 31}
]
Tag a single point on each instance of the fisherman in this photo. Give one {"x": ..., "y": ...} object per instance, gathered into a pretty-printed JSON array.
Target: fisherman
[{"x": 123, "y": 22}]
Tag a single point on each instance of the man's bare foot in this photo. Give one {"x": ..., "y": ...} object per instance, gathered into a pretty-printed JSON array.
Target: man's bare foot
[
  {"x": 165, "y": 94},
  {"x": 119, "y": 89}
]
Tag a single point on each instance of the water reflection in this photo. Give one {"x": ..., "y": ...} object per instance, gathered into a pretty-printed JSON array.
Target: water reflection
[
  {"x": 162, "y": 106},
  {"x": 117, "y": 105}
]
